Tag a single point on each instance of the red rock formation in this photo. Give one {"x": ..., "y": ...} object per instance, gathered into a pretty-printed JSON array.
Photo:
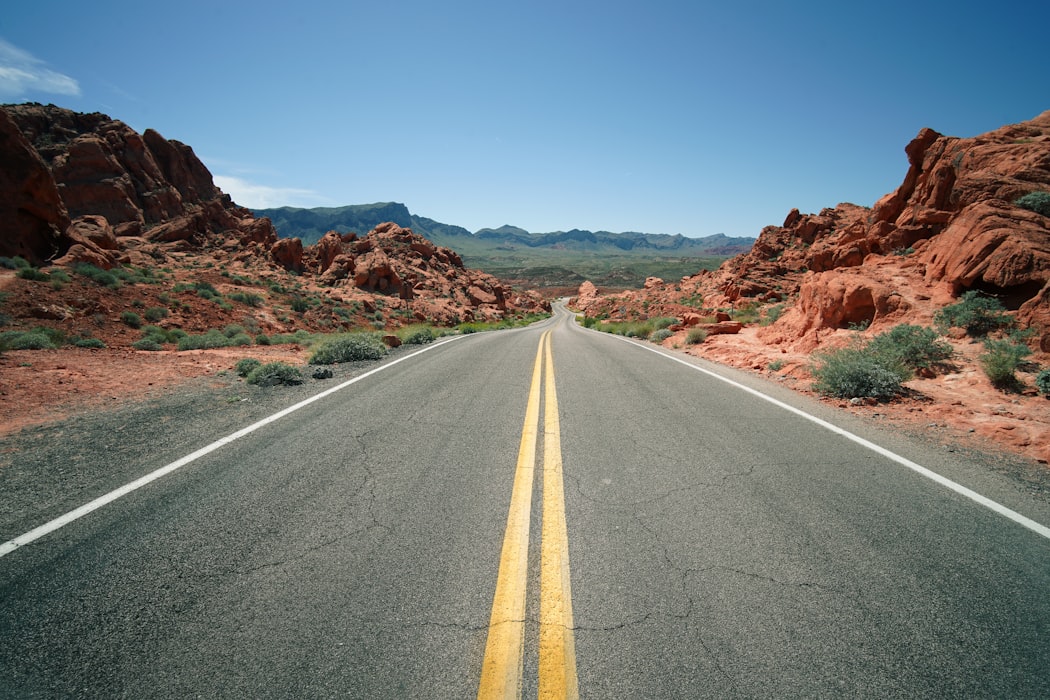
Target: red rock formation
[
  {"x": 949, "y": 227},
  {"x": 31, "y": 209},
  {"x": 142, "y": 199}
]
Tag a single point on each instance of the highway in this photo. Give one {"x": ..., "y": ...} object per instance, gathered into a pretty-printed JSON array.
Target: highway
[{"x": 543, "y": 512}]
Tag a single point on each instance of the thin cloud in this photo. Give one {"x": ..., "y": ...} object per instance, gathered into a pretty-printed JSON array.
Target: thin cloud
[
  {"x": 22, "y": 73},
  {"x": 255, "y": 196}
]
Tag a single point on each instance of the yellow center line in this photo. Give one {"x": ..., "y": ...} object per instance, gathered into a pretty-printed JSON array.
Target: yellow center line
[
  {"x": 501, "y": 673},
  {"x": 502, "y": 667},
  {"x": 557, "y": 640}
]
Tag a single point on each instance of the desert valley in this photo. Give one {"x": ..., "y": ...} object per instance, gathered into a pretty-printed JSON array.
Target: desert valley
[{"x": 127, "y": 271}]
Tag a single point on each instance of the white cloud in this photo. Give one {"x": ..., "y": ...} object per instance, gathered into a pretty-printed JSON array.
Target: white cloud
[
  {"x": 255, "y": 196},
  {"x": 22, "y": 73}
]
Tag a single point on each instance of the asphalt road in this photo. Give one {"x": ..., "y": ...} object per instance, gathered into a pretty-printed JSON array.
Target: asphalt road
[{"x": 718, "y": 545}]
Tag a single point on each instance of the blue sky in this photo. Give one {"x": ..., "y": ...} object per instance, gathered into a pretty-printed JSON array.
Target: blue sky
[{"x": 662, "y": 117}]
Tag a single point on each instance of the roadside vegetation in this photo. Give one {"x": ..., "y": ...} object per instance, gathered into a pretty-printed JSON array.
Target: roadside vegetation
[{"x": 877, "y": 368}]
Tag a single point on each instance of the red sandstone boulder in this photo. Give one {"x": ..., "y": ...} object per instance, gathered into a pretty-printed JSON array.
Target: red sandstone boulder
[{"x": 288, "y": 253}]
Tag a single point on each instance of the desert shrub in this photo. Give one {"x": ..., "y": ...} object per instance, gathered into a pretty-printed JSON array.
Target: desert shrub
[
  {"x": 97, "y": 275},
  {"x": 587, "y": 321},
  {"x": 300, "y": 305},
  {"x": 662, "y": 322},
  {"x": 349, "y": 348},
  {"x": 84, "y": 342},
  {"x": 131, "y": 319},
  {"x": 239, "y": 339},
  {"x": 212, "y": 339},
  {"x": 856, "y": 372},
  {"x": 772, "y": 314},
  {"x": 917, "y": 347},
  {"x": 155, "y": 313},
  {"x": 32, "y": 274},
  {"x": 696, "y": 336},
  {"x": 246, "y": 298},
  {"x": 418, "y": 336},
  {"x": 15, "y": 263},
  {"x": 978, "y": 313},
  {"x": 775, "y": 366},
  {"x": 1042, "y": 382},
  {"x": 148, "y": 343},
  {"x": 274, "y": 373},
  {"x": 232, "y": 330},
  {"x": 262, "y": 339},
  {"x": 466, "y": 328},
  {"x": 660, "y": 335},
  {"x": 26, "y": 340},
  {"x": 246, "y": 366},
  {"x": 746, "y": 314},
  {"x": 1001, "y": 359},
  {"x": 1038, "y": 202}
]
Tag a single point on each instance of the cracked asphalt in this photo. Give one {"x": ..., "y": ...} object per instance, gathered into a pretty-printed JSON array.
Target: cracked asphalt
[{"x": 719, "y": 547}]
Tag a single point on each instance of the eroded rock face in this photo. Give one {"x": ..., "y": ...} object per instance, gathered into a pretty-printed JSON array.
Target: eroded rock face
[
  {"x": 31, "y": 209},
  {"x": 141, "y": 198}
]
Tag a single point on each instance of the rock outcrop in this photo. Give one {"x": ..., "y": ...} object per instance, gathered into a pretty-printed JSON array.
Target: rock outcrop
[
  {"x": 87, "y": 188},
  {"x": 32, "y": 212},
  {"x": 952, "y": 225}
]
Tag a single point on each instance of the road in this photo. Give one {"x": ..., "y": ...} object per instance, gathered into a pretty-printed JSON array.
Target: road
[{"x": 536, "y": 511}]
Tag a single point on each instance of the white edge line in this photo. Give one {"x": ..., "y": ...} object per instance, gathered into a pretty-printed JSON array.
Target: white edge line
[
  {"x": 918, "y": 468},
  {"x": 63, "y": 520}
]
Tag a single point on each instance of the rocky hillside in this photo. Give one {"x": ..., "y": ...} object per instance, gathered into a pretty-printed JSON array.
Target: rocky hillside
[
  {"x": 954, "y": 224},
  {"x": 84, "y": 189}
]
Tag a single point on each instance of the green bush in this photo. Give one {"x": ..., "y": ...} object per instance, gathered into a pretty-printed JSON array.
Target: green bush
[
  {"x": 15, "y": 263},
  {"x": 232, "y": 330},
  {"x": 26, "y": 340},
  {"x": 660, "y": 335},
  {"x": 662, "y": 322},
  {"x": 147, "y": 344},
  {"x": 696, "y": 336},
  {"x": 131, "y": 319},
  {"x": 1000, "y": 361},
  {"x": 97, "y": 275},
  {"x": 1042, "y": 382},
  {"x": 156, "y": 313},
  {"x": 856, "y": 372},
  {"x": 349, "y": 348},
  {"x": 978, "y": 313},
  {"x": 917, "y": 347},
  {"x": 246, "y": 366},
  {"x": 274, "y": 373},
  {"x": 1038, "y": 202},
  {"x": 32, "y": 274},
  {"x": 84, "y": 342},
  {"x": 212, "y": 339},
  {"x": 246, "y": 298},
  {"x": 419, "y": 336}
]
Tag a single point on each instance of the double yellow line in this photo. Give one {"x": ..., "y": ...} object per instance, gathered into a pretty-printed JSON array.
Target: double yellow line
[{"x": 501, "y": 673}]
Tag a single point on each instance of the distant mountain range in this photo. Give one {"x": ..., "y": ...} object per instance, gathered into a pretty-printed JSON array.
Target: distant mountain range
[{"x": 310, "y": 224}]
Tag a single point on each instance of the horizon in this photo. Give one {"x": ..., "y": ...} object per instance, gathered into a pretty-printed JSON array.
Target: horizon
[{"x": 673, "y": 118}]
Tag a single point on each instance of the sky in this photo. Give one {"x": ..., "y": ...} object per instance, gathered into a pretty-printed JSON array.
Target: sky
[{"x": 662, "y": 116}]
